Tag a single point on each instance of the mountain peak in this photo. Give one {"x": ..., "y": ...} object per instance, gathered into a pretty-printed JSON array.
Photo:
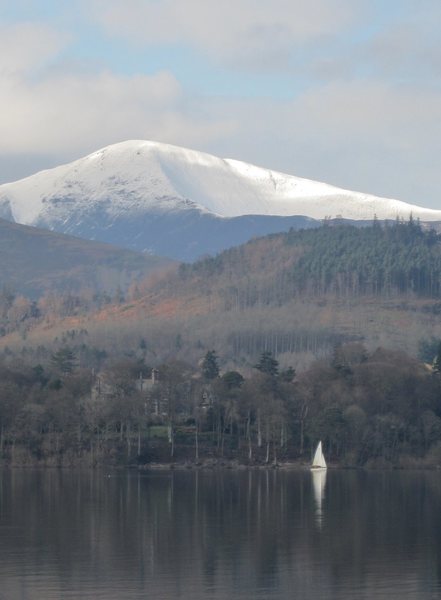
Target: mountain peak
[{"x": 138, "y": 181}]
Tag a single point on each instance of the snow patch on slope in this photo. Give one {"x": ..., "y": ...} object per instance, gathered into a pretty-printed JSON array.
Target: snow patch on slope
[{"x": 141, "y": 177}]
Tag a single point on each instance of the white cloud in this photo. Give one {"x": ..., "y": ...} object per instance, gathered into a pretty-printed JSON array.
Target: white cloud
[
  {"x": 240, "y": 32},
  {"x": 367, "y": 136},
  {"x": 51, "y": 106},
  {"x": 24, "y": 46},
  {"x": 73, "y": 113},
  {"x": 408, "y": 49}
]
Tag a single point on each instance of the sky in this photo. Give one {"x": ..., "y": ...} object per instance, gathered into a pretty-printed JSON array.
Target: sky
[{"x": 342, "y": 91}]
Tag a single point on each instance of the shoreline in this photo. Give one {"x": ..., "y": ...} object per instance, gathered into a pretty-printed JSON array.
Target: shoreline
[{"x": 214, "y": 465}]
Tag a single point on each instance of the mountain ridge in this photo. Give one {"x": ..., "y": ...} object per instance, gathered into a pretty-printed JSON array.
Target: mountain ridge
[
  {"x": 36, "y": 261},
  {"x": 127, "y": 192}
]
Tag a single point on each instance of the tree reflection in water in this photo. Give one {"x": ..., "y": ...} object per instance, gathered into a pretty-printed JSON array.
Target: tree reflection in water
[{"x": 219, "y": 534}]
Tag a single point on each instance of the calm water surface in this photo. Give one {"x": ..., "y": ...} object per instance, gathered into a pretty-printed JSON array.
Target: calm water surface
[{"x": 258, "y": 535}]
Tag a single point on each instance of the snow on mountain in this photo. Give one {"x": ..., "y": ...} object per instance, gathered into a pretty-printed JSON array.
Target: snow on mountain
[{"x": 109, "y": 194}]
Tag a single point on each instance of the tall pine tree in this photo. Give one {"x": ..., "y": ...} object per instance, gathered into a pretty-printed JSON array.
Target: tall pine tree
[{"x": 210, "y": 368}]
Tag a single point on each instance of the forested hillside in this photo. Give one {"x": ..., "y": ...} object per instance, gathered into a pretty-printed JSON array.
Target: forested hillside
[
  {"x": 337, "y": 260},
  {"x": 256, "y": 353},
  {"x": 378, "y": 261},
  {"x": 297, "y": 294}
]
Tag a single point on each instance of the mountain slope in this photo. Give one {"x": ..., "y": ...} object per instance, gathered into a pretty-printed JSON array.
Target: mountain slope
[
  {"x": 34, "y": 261},
  {"x": 140, "y": 194},
  {"x": 297, "y": 295}
]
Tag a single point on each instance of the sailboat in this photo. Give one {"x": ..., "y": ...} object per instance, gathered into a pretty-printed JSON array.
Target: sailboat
[{"x": 319, "y": 462}]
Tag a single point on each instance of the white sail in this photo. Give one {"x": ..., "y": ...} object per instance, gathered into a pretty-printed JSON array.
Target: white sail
[{"x": 319, "y": 461}]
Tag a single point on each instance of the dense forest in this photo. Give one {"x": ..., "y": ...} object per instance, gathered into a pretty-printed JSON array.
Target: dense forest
[
  {"x": 378, "y": 409},
  {"x": 337, "y": 259}
]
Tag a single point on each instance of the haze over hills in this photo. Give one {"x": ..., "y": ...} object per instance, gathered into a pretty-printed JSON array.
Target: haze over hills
[
  {"x": 181, "y": 203},
  {"x": 36, "y": 261}
]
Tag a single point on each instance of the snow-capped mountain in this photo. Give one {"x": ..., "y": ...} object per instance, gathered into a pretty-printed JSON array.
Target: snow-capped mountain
[{"x": 182, "y": 203}]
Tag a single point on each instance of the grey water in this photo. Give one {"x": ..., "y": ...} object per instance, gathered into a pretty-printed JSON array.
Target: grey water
[{"x": 220, "y": 535}]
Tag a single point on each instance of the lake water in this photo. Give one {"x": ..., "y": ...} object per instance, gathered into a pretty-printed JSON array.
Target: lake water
[{"x": 258, "y": 535}]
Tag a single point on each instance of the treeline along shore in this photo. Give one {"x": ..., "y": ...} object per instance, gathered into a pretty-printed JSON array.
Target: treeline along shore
[{"x": 378, "y": 409}]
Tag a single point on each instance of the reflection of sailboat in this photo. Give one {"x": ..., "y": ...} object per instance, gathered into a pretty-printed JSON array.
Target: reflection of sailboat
[
  {"x": 319, "y": 462},
  {"x": 318, "y": 484}
]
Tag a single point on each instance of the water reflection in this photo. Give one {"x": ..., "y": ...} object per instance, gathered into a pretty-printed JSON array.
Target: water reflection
[
  {"x": 219, "y": 535},
  {"x": 319, "y": 484}
]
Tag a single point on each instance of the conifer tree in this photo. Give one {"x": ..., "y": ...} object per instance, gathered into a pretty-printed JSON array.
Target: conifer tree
[
  {"x": 210, "y": 367},
  {"x": 64, "y": 359},
  {"x": 268, "y": 364}
]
